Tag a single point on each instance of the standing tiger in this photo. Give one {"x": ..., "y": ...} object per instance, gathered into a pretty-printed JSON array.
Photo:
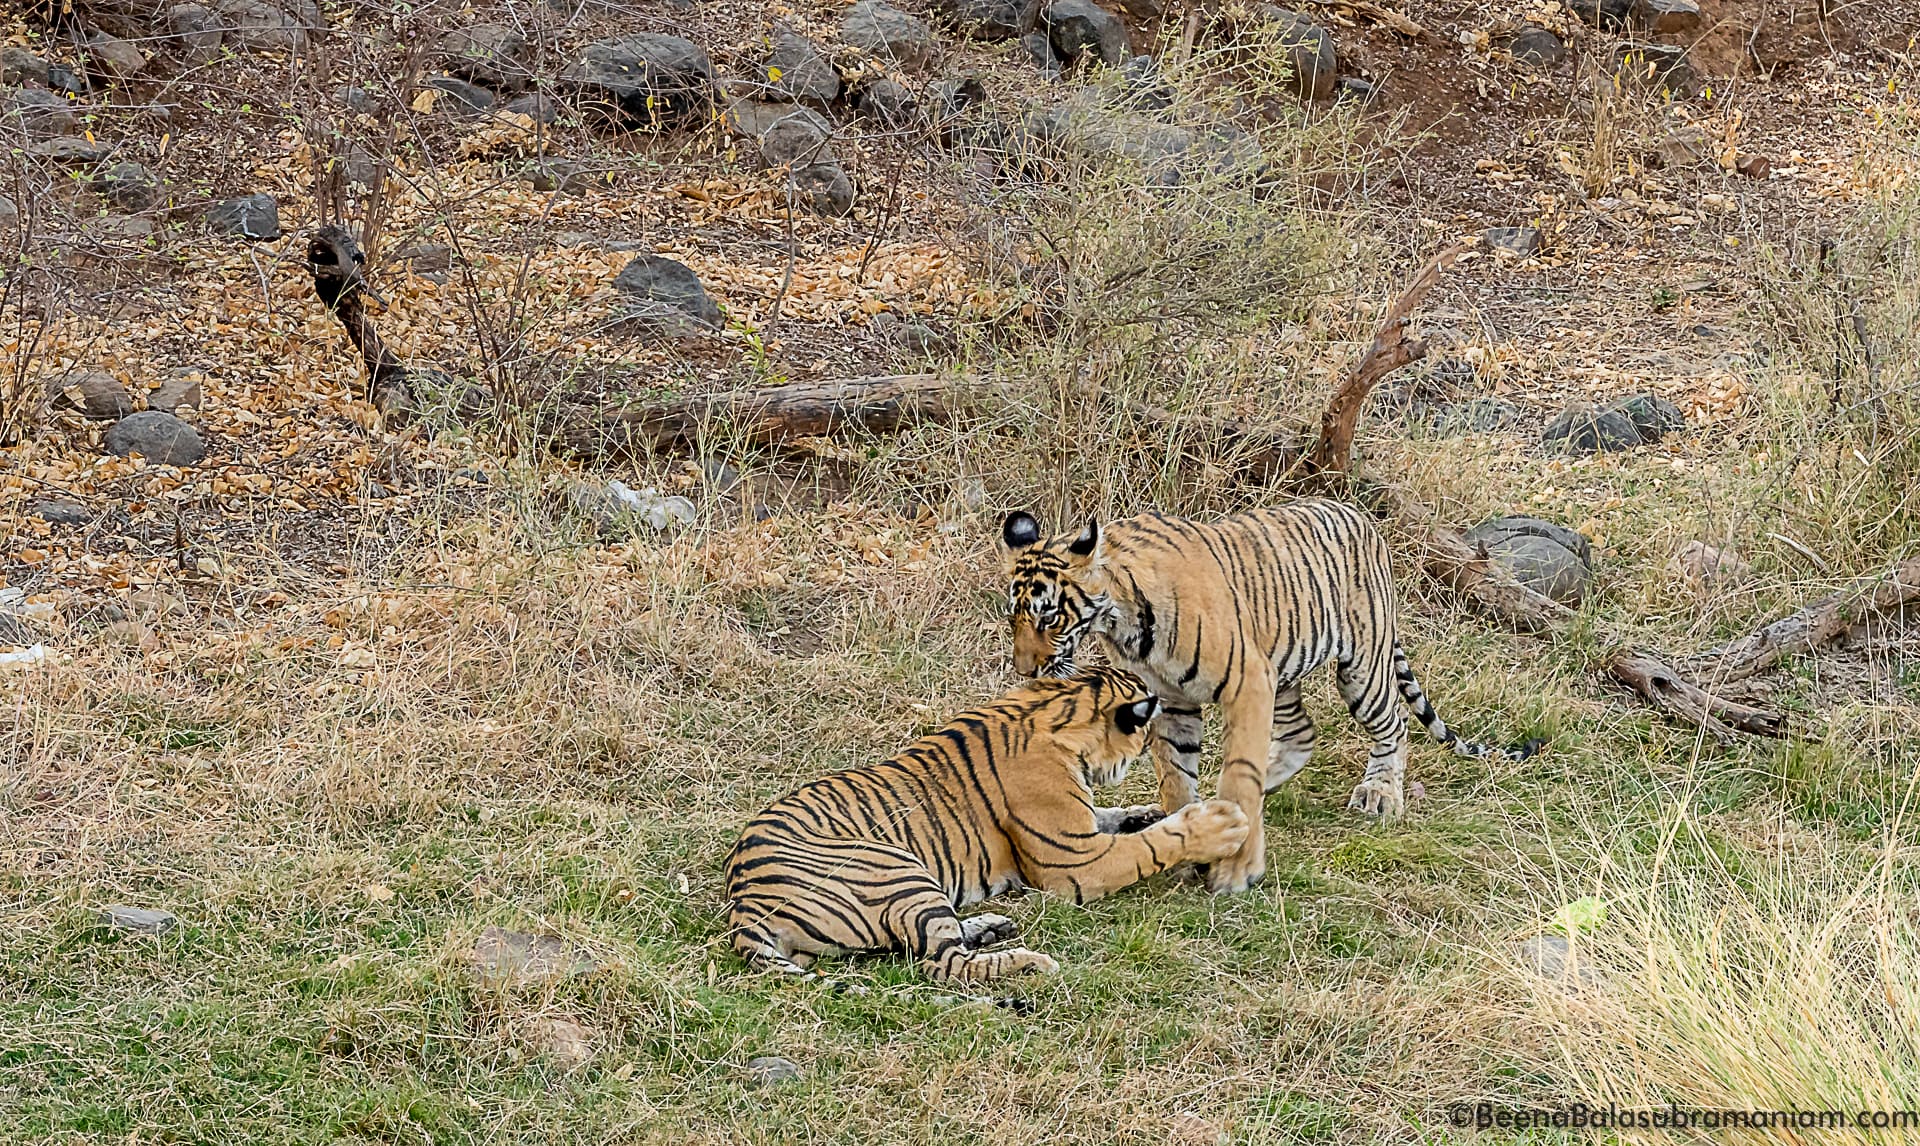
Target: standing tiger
[
  {"x": 880, "y": 857},
  {"x": 1233, "y": 613}
]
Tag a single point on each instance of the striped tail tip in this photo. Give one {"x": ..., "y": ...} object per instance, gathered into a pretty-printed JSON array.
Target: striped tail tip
[{"x": 1527, "y": 748}]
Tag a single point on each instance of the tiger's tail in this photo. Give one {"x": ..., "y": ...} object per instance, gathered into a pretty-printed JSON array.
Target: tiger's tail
[{"x": 1416, "y": 699}]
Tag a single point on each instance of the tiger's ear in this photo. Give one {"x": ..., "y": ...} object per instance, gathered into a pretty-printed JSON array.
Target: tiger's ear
[
  {"x": 1087, "y": 545},
  {"x": 1020, "y": 531},
  {"x": 1131, "y": 718}
]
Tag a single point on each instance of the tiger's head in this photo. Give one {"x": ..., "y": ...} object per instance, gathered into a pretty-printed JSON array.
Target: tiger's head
[
  {"x": 1053, "y": 594},
  {"x": 1103, "y": 714}
]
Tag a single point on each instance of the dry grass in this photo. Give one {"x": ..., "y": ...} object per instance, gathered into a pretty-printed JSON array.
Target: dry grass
[{"x": 496, "y": 717}]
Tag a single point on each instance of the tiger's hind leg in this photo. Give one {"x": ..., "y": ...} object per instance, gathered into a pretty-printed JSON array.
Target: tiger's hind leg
[
  {"x": 928, "y": 927},
  {"x": 1292, "y": 744},
  {"x": 1369, "y": 688}
]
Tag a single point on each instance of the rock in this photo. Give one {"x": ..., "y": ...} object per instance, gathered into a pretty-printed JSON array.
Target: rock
[
  {"x": 887, "y": 102},
  {"x": 20, "y": 66},
  {"x": 182, "y": 388},
  {"x": 1310, "y": 52},
  {"x": 518, "y": 959},
  {"x": 157, "y": 436},
  {"x": 920, "y": 339},
  {"x": 567, "y": 176},
  {"x": 1581, "y": 429},
  {"x": 1685, "y": 147},
  {"x": 463, "y": 98},
  {"x": 1040, "y": 50},
  {"x": 68, "y": 149},
  {"x": 992, "y": 19},
  {"x": 1704, "y": 567},
  {"x": 1354, "y": 92},
  {"x": 645, "y": 80},
  {"x": 490, "y": 54},
  {"x": 797, "y": 70},
  {"x": 428, "y": 258},
  {"x": 567, "y": 1042},
  {"x": 40, "y": 113},
  {"x": 1653, "y": 417},
  {"x": 119, "y": 228},
  {"x": 64, "y": 79},
  {"x": 1665, "y": 15},
  {"x": 95, "y": 394},
  {"x": 254, "y": 216},
  {"x": 772, "y": 1070},
  {"x": 824, "y": 189},
  {"x": 1521, "y": 242},
  {"x": 9, "y": 214},
  {"x": 794, "y": 138},
  {"x": 356, "y": 99},
  {"x": 130, "y": 187},
  {"x": 1654, "y": 66},
  {"x": 1552, "y": 958},
  {"x": 1753, "y": 166},
  {"x": 536, "y": 106},
  {"x": 1550, "y": 559},
  {"x": 59, "y": 511},
  {"x": 255, "y": 25},
  {"x": 1536, "y": 47},
  {"x": 1609, "y": 14},
  {"x": 360, "y": 167},
  {"x": 1083, "y": 126},
  {"x": 1082, "y": 28},
  {"x": 114, "y": 58},
  {"x": 1143, "y": 86},
  {"x": 668, "y": 293},
  {"x": 878, "y": 28},
  {"x": 138, "y": 920},
  {"x": 198, "y": 30}
]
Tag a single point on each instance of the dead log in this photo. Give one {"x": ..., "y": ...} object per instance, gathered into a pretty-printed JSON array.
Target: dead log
[
  {"x": 338, "y": 267},
  {"x": 878, "y": 405},
  {"x": 1391, "y": 349},
  {"x": 1672, "y": 693},
  {"x": 1813, "y": 626}
]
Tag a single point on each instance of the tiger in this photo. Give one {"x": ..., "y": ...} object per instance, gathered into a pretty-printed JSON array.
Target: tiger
[
  {"x": 883, "y": 857},
  {"x": 1232, "y": 613}
]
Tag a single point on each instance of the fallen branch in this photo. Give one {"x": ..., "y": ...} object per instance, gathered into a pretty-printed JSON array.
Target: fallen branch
[
  {"x": 796, "y": 410},
  {"x": 338, "y": 265},
  {"x": 1391, "y": 349},
  {"x": 1813, "y": 626},
  {"x": 1672, "y": 693}
]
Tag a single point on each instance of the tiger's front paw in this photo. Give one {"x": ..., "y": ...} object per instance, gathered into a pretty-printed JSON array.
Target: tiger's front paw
[
  {"x": 1238, "y": 872},
  {"x": 1211, "y": 830},
  {"x": 987, "y": 930},
  {"x": 1381, "y": 798}
]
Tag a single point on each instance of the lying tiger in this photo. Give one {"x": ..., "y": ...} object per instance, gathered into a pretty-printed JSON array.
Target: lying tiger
[
  {"x": 1233, "y": 613},
  {"x": 881, "y": 857}
]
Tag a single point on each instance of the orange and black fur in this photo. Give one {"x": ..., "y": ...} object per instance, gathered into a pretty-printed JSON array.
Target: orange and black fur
[
  {"x": 1233, "y": 613},
  {"x": 882, "y": 857}
]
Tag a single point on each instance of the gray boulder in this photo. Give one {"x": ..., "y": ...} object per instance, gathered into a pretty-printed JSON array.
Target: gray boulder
[
  {"x": 356, "y": 99},
  {"x": 823, "y": 188},
  {"x": 20, "y": 66},
  {"x": 95, "y": 393},
  {"x": 1521, "y": 242},
  {"x": 1040, "y": 51},
  {"x": 9, "y": 212},
  {"x": 139, "y": 920},
  {"x": 992, "y": 19},
  {"x": 1653, "y": 417},
  {"x": 1582, "y": 429},
  {"x": 668, "y": 294},
  {"x": 69, "y": 149},
  {"x": 130, "y": 187},
  {"x": 645, "y": 80},
  {"x": 536, "y": 106},
  {"x": 1666, "y": 16},
  {"x": 886, "y": 102},
  {"x": 255, "y": 25},
  {"x": 248, "y": 217},
  {"x": 772, "y": 1070},
  {"x": 197, "y": 30},
  {"x": 463, "y": 98},
  {"x": 39, "y": 112},
  {"x": 1537, "y": 47},
  {"x": 159, "y": 437},
  {"x": 489, "y": 54},
  {"x": 59, "y": 511},
  {"x": 114, "y": 58},
  {"x": 1655, "y": 67},
  {"x": 1550, "y": 559},
  {"x": 552, "y": 173},
  {"x": 1311, "y": 56},
  {"x": 1609, "y": 14},
  {"x": 1079, "y": 28},
  {"x": 805, "y": 76},
  {"x": 880, "y": 29},
  {"x": 799, "y": 138}
]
